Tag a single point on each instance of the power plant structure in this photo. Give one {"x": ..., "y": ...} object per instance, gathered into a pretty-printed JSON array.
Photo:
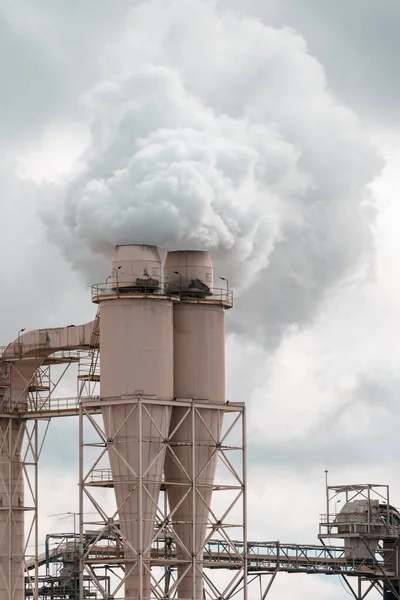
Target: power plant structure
[{"x": 162, "y": 456}]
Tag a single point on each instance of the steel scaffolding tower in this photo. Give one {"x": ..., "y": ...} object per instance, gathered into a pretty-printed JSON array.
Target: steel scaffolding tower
[{"x": 227, "y": 514}]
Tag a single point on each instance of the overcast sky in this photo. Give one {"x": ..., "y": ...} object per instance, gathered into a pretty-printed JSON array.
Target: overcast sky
[{"x": 266, "y": 132}]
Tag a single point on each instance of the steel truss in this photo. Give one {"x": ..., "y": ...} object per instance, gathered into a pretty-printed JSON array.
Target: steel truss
[
  {"x": 21, "y": 444},
  {"x": 227, "y": 511},
  {"x": 376, "y": 531},
  {"x": 13, "y": 433},
  {"x": 267, "y": 559},
  {"x": 101, "y": 560},
  {"x": 26, "y": 401}
]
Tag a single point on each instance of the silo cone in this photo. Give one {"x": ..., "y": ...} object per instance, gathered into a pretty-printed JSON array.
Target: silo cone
[
  {"x": 199, "y": 373},
  {"x": 136, "y": 348}
]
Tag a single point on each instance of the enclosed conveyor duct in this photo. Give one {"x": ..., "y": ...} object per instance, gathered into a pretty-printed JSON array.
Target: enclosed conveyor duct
[
  {"x": 136, "y": 346},
  {"x": 18, "y": 364},
  {"x": 199, "y": 373}
]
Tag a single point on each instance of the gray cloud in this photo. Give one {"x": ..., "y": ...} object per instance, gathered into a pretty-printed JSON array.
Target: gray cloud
[
  {"x": 240, "y": 155},
  {"x": 48, "y": 53},
  {"x": 39, "y": 287},
  {"x": 357, "y": 42},
  {"x": 24, "y": 98},
  {"x": 357, "y": 429}
]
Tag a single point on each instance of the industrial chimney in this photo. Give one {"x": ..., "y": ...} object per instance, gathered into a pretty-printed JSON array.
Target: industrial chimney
[
  {"x": 199, "y": 374},
  {"x": 136, "y": 346}
]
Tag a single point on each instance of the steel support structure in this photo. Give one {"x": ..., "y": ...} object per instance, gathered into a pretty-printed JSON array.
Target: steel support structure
[
  {"x": 21, "y": 444},
  {"x": 35, "y": 435},
  {"x": 357, "y": 587},
  {"x": 265, "y": 561},
  {"x": 226, "y": 513},
  {"x": 26, "y": 399},
  {"x": 228, "y": 565},
  {"x": 376, "y": 531}
]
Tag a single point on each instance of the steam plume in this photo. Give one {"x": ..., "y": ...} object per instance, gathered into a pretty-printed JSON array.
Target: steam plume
[{"x": 215, "y": 131}]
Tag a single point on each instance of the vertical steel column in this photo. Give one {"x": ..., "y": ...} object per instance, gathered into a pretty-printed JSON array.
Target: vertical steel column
[
  {"x": 140, "y": 511},
  {"x": 36, "y": 515},
  {"x": 244, "y": 476},
  {"x": 10, "y": 511},
  {"x": 194, "y": 495},
  {"x": 81, "y": 556},
  {"x": 327, "y": 499}
]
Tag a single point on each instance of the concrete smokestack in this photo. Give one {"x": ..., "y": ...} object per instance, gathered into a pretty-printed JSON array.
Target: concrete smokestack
[
  {"x": 199, "y": 373},
  {"x": 136, "y": 348}
]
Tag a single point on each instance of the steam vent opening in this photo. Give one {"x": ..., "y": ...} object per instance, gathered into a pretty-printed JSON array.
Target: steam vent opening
[
  {"x": 136, "y": 267},
  {"x": 189, "y": 272}
]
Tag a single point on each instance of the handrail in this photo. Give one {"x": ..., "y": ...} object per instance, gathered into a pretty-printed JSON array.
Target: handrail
[
  {"x": 261, "y": 556},
  {"x": 354, "y": 524},
  {"x": 46, "y": 405},
  {"x": 21, "y": 347},
  {"x": 213, "y": 295}
]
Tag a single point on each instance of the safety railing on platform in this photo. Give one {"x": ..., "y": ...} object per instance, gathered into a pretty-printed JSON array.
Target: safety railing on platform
[
  {"x": 56, "y": 404},
  {"x": 14, "y": 350},
  {"x": 101, "y": 476},
  {"x": 261, "y": 556},
  {"x": 272, "y": 556},
  {"x": 48, "y": 405},
  {"x": 335, "y": 523},
  {"x": 205, "y": 294},
  {"x": 17, "y": 348}
]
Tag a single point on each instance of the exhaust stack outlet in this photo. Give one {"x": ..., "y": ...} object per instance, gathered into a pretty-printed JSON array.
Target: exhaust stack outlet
[
  {"x": 189, "y": 273},
  {"x": 136, "y": 267}
]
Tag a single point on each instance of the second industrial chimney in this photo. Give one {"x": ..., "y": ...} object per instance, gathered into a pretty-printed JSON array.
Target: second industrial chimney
[{"x": 199, "y": 374}]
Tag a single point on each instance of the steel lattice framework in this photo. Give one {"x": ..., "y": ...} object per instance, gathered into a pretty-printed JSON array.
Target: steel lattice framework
[
  {"x": 99, "y": 546},
  {"x": 226, "y": 520}
]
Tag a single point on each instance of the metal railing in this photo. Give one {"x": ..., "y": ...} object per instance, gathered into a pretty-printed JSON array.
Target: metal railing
[
  {"x": 265, "y": 557},
  {"x": 101, "y": 475},
  {"x": 47, "y": 405},
  {"x": 213, "y": 295},
  {"x": 330, "y": 523},
  {"x": 55, "y": 404},
  {"x": 274, "y": 556},
  {"x": 15, "y": 349}
]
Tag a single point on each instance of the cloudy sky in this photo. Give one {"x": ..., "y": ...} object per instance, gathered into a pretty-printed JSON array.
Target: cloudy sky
[{"x": 263, "y": 131}]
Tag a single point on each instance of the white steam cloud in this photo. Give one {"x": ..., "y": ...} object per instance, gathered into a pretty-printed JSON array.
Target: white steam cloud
[{"x": 215, "y": 131}]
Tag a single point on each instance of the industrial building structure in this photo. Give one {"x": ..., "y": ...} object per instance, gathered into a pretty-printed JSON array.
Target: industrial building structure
[{"x": 162, "y": 456}]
